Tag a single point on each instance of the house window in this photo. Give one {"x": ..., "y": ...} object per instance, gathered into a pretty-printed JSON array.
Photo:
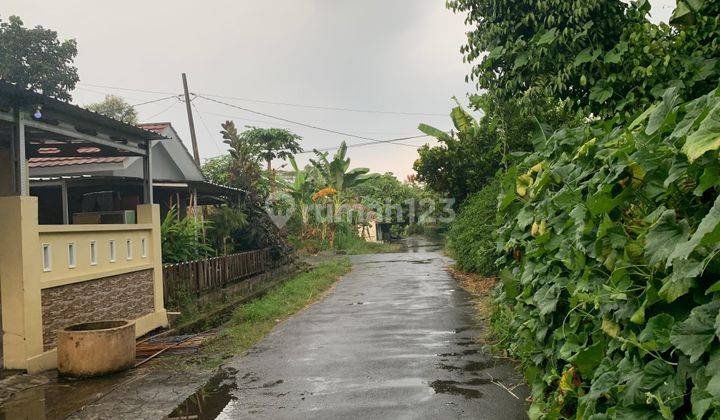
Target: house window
[
  {"x": 47, "y": 257},
  {"x": 72, "y": 255},
  {"x": 93, "y": 253},
  {"x": 143, "y": 248},
  {"x": 112, "y": 250},
  {"x": 128, "y": 249}
]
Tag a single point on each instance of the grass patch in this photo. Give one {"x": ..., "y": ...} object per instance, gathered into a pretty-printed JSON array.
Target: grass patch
[
  {"x": 363, "y": 247},
  {"x": 252, "y": 321}
]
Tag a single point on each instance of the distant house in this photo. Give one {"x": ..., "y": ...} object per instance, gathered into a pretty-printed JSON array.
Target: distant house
[{"x": 103, "y": 189}]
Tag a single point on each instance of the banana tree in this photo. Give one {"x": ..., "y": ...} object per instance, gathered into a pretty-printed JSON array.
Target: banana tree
[
  {"x": 335, "y": 172},
  {"x": 302, "y": 189}
]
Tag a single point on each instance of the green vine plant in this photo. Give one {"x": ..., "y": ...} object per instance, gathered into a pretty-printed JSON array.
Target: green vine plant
[{"x": 610, "y": 265}]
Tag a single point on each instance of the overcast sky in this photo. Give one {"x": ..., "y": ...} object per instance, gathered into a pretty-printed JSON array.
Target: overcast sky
[{"x": 399, "y": 56}]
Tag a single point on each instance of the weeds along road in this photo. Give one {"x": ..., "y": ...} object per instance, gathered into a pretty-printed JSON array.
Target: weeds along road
[{"x": 394, "y": 339}]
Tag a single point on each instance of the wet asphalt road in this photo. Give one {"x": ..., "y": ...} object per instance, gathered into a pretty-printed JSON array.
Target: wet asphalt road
[{"x": 394, "y": 339}]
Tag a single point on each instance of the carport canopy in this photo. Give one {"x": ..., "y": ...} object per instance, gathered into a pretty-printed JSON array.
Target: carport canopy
[{"x": 33, "y": 125}]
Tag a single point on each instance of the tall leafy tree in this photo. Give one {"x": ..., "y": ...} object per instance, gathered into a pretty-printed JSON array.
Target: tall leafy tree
[
  {"x": 36, "y": 59},
  {"x": 531, "y": 47},
  {"x": 272, "y": 143},
  {"x": 602, "y": 56},
  {"x": 469, "y": 156},
  {"x": 244, "y": 168},
  {"x": 245, "y": 173},
  {"x": 115, "y": 107}
]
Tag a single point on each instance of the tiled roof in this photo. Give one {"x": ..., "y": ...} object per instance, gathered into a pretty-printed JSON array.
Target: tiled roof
[
  {"x": 69, "y": 161},
  {"x": 154, "y": 127}
]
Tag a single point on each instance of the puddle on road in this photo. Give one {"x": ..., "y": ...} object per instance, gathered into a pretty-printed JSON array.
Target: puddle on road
[
  {"x": 210, "y": 400},
  {"x": 472, "y": 366},
  {"x": 428, "y": 261},
  {"x": 459, "y": 354},
  {"x": 457, "y": 388},
  {"x": 59, "y": 397}
]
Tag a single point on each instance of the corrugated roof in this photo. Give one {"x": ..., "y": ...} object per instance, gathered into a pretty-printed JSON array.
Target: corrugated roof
[
  {"x": 21, "y": 96},
  {"x": 69, "y": 161}
]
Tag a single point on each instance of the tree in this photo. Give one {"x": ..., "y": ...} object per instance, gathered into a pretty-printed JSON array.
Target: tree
[
  {"x": 469, "y": 157},
  {"x": 36, "y": 59},
  {"x": 302, "y": 188},
  {"x": 335, "y": 172},
  {"x": 273, "y": 143},
  {"x": 530, "y": 46},
  {"x": 217, "y": 169},
  {"x": 115, "y": 107},
  {"x": 244, "y": 168},
  {"x": 244, "y": 172},
  {"x": 603, "y": 57}
]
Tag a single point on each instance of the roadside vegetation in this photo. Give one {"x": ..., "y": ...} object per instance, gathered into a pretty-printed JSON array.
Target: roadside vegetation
[{"x": 600, "y": 132}]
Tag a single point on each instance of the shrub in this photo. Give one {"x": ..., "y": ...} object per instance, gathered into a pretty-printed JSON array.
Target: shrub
[
  {"x": 182, "y": 239},
  {"x": 470, "y": 239},
  {"x": 611, "y": 271}
]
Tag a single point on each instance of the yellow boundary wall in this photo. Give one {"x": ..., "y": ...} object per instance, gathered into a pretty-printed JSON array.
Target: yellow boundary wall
[{"x": 22, "y": 275}]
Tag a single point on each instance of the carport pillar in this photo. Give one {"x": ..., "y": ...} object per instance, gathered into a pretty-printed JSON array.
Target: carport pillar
[
  {"x": 65, "y": 205},
  {"x": 147, "y": 175},
  {"x": 19, "y": 174}
]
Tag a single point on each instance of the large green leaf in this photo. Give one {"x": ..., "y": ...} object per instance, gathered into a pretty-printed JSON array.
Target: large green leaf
[
  {"x": 713, "y": 371},
  {"x": 461, "y": 119},
  {"x": 665, "y": 234},
  {"x": 681, "y": 280},
  {"x": 655, "y": 373},
  {"x": 694, "y": 335},
  {"x": 546, "y": 298},
  {"x": 435, "y": 132},
  {"x": 588, "y": 359},
  {"x": 601, "y": 93},
  {"x": 708, "y": 232},
  {"x": 548, "y": 37},
  {"x": 705, "y": 138},
  {"x": 656, "y": 334},
  {"x": 670, "y": 99}
]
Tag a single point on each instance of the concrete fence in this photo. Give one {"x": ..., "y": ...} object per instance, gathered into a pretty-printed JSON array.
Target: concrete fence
[{"x": 55, "y": 275}]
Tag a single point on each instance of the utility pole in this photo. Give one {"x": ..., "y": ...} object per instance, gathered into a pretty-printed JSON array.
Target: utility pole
[{"x": 196, "y": 153}]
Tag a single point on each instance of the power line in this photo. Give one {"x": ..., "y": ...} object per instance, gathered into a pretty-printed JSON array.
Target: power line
[
  {"x": 289, "y": 125},
  {"x": 310, "y": 125},
  {"x": 207, "y": 130},
  {"x": 136, "y": 104},
  {"x": 391, "y": 141},
  {"x": 162, "y": 112},
  {"x": 327, "y": 108},
  {"x": 156, "y": 100},
  {"x": 129, "y": 90},
  {"x": 290, "y": 104}
]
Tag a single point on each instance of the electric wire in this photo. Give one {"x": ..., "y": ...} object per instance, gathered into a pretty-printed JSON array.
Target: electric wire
[
  {"x": 315, "y": 127},
  {"x": 281, "y": 103},
  {"x": 207, "y": 130},
  {"x": 326, "y": 108}
]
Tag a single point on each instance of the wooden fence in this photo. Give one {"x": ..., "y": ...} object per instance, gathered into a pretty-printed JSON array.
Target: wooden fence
[{"x": 199, "y": 276}]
